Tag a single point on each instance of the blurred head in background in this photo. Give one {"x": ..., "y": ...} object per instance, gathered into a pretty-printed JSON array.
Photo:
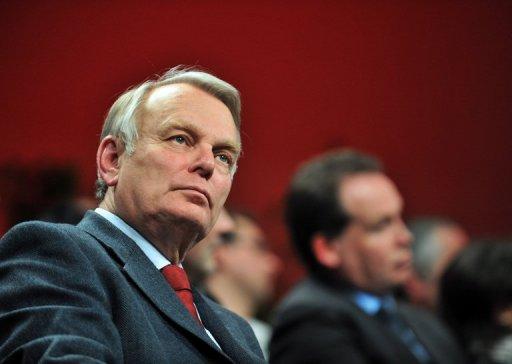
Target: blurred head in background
[
  {"x": 199, "y": 262},
  {"x": 244, "y": 269},
  {"x": 476, "y": 300},
  {"x": 437, "y": 241},
  {"x": 234, "y": 266},
  {"x": 345, "y": 218}
]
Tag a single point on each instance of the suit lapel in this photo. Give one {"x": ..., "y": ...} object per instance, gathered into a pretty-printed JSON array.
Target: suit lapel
[
  {"x": 139, "y": 269},
  {"x": 152, "y": 283},
  {"x": 388, "y": 343},
  {"x": 428, "y": 340},
  {"x": 221, "y": 334}
]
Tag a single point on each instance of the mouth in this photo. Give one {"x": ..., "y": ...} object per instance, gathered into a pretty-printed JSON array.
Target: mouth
[
  {"x": 404, "y": 264},
  {"x": 200, "y": 191}
]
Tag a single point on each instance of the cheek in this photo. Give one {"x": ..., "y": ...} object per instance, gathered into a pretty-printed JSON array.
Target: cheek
[
  {"x": 379, "y": 255},
  {"x": 245, "y": 262},
  {"x": 222, "y": 186},
  {"x": 149, "y": 169}
]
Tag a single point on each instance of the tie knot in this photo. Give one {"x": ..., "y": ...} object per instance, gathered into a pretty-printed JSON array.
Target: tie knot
[{"x": 176, "y": 276}]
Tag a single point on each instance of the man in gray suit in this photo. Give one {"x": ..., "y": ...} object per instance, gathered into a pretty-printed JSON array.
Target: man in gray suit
[
  {"x": 111, "y": 289},
  {"x": 344, "y": 215}
]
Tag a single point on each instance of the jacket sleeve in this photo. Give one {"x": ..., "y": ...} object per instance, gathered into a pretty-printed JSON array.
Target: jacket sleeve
[{"x": 54, "y": 306}]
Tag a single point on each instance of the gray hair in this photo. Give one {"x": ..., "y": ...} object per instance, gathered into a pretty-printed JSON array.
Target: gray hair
[
  {"x": 426, "y": 248},
  {"x": 121, "y": 120}
]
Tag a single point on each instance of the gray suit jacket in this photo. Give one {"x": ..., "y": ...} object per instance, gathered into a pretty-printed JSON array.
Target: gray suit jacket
[
  {"x": 317, "y": 323},
  {"x": 88, "y": 294}
]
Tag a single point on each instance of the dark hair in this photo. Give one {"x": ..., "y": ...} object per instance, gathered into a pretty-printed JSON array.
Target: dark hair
[
  {"x": 312, "y": 203},
  {"x": 231, "y": 237},
  {"x": 476, "y": 285}
]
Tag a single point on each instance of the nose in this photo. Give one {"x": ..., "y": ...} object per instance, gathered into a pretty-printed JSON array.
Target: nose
[
  {"x": 203, "y": 161},
  {"x": 404, "y": 235}
]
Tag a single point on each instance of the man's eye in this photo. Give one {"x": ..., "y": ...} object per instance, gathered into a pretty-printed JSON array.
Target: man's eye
[
  {"x": 379, "y": 226},
  {"x": 179, "y": 139},
  {"x": 226, "y": 159}
]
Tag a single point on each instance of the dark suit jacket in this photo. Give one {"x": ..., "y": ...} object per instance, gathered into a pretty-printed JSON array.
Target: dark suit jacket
[
  {"x": 320, "y": 324},
  {"x": 87, "y": 293}
]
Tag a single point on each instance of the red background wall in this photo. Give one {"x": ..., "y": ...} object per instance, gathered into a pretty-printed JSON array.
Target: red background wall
[{"x": 424, "y": 85}]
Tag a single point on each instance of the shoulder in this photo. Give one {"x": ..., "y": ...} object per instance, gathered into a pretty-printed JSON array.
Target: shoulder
[
  {"x": 33, "y": 235},
  {"x": 424, "y": 321},
  {"x": 311, "y": 298},
  {"x": 43, "y": 239},
  {"x": 53, "y": 298},
  {"x": 53, "y": 252},
  {"x": 316, "y": 323},
  {"x": 34, "y": 228},
  {"x": 433, "y": 332},
  {"x": 414, "y": 314},
  {"x": 40, "y": 230}
]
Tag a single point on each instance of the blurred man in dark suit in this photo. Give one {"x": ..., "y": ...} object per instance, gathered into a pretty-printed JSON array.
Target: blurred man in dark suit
[
  {"x": 112, "y": 289},
  {"x": 345, "y": 219}
]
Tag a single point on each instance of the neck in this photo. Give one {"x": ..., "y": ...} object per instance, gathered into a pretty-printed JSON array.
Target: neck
[
  {"x": 173, "y": 240},
  {"x": 173, "y": 237},
  {"x": 230, "y": 296}
]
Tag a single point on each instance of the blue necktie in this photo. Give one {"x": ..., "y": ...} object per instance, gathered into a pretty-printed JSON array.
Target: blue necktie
[{"x": 389, "y": 315}]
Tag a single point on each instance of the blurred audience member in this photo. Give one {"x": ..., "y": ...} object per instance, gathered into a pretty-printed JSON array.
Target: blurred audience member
[
  {"x": 199, "y": 262},
  {"x": 476, "y": 301},
  {"x": 236, "y": 269},
  {"x": 69, "y": 211},
  {"x": 436, "y": 242},
  {"x": 42, "y": 191},
  {"x": 345, "y": 219}
]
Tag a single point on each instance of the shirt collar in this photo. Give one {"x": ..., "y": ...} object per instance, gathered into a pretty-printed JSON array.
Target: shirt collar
[
  {"x": 148, "y": 249},
  {"x": 370, "y": 303}
]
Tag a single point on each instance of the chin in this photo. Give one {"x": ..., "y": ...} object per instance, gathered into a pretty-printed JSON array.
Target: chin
[{"x": 199, "y": 222}]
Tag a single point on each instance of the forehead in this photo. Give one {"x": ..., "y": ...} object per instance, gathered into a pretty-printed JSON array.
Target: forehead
[
  {"x": 370, "y": 196},
  {"x": 186, "y": 104},
  {"x": 224, "y": 223},
  {"x": 248, "y": 228}
]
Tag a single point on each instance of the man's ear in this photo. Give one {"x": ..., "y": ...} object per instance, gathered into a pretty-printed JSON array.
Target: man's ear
[
  {"x": 326, "y": 252},
  {"x": 107, "y": 160}
]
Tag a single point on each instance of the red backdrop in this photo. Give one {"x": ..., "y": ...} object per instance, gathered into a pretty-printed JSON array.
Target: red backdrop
[{"x": 424, "y": 85}]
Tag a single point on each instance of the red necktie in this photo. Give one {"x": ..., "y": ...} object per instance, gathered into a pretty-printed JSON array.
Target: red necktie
[{"x": 177, "y": 278}]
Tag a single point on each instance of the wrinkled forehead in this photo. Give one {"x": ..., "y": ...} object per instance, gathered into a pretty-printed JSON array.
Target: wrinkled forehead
[
  {"x": 248, "y": 229},
  {"x": 166, "y": 100},
  {"x": 162, "y": 95},
  {"x": 224, "y": 223}
]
